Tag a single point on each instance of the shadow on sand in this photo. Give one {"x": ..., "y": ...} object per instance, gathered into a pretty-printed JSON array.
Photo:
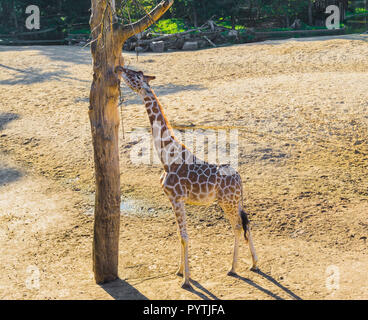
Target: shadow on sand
[
  {"x": 122, "y": 290},
  {"x": 269, "y": 278},
  {"x": 205, "y": 295},
  {"x": 266, "y": 291},
  {"x": 8, "y": 175},
  {"x": 70, "y": 54},
  {"x": 160, "y": 90},
  {"x": 35, "y": 75},
  {"x": 6, "y": 117}
]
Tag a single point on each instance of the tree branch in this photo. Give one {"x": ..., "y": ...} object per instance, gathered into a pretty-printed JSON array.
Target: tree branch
[{"x": 128, "y": 30}]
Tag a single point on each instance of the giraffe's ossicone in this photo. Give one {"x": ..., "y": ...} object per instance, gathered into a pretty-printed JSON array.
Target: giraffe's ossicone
[{"x": 187, "y": 179}]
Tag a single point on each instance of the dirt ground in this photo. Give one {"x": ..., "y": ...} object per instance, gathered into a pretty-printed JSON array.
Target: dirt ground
[{"x": 300, "y": 109}]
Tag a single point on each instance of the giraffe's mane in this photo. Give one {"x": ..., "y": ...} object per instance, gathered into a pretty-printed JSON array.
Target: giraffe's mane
[{"x": 168, "y": 124}]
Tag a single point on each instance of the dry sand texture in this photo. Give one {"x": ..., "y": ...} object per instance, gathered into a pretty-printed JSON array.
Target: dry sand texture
[{"x": 300, "y": 108}]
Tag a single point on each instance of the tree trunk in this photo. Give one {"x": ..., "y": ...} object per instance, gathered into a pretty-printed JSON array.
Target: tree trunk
[
  {"x": 233, "y": 22},
  {"x": 14, "y": 14},
  {"x": 342, "y": 12},
  {"x": 59, "y": 6},
  {"x": 104, "y": 119},
  {"x": 250, "y": 13},
  {"x": 287, "y": 21},
  {"x": 310, "y": 12},
  {"x": 195, "y": 16},
  {"x": 108, "y": 38},
  {"x": 6, "y": 12}
]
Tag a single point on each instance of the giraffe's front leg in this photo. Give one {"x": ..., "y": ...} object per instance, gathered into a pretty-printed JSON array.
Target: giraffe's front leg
[{"x": 178, "y": 207}]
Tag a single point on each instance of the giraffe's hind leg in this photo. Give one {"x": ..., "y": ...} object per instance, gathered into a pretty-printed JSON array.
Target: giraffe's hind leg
[
  {"x": 248, "y": 237},
  {"x": 178, "y": 207},
  {"x": 252, "y": 250},
  {"x": 239, "y": 228},
  {"x": 235, "y": 221},
  {"x": 237, "y": 234}
]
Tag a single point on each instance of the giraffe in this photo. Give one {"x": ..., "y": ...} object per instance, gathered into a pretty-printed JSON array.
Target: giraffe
[{"x": 187, "y": 179}]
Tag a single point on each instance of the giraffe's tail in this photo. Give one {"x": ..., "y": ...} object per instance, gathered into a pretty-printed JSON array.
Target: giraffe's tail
[
  {"x": 244, "y": 217},
  {"x": 245, "y": 223}
]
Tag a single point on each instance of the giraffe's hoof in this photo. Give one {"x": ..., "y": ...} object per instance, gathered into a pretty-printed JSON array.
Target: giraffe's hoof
[
  {"x": 186, "y": 286},
  {"x": 179, "y": 274},
  {"x": 254, "y": 268},
  {"x": 231, "y": 273}
]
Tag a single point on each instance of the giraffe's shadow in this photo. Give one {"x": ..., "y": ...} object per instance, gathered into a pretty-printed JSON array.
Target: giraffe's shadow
[
  {"x": 204, "y": 294},
  {"x": 264, "y": 290},
  {"x": 278, "y": 284}
]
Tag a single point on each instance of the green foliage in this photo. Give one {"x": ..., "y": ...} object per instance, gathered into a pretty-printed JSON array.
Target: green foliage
[
  {"x": 54, "y": 14},
  {"x": 361, "y": 10},
  {"x": 184, "y": 14},
  {"x": 227, "y": 24},
  {"x": 168, "y": 26}
]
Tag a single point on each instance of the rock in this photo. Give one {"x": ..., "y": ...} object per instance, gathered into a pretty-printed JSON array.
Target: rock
[
  {"x": 297, "y": 24},
  {"x": 179, "y": 43},
  {"x": 202, "y": 44},
  {"x": 157, "y": 46},
  {"x": 190, "y": 45},
  {"x": 139, "y": 49},
  {"x": 233, "y": 33}
]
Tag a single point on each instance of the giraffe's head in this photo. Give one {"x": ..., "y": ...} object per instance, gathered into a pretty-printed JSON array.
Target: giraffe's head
[{"x": 136, "y": 80}]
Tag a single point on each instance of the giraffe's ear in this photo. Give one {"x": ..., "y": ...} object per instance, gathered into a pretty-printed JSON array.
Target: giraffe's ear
[
  {"x": 119, "y": 69},
  {"x": 149, "y": 78}
]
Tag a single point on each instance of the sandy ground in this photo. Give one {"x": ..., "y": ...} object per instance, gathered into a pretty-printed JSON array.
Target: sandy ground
[{"x": 300, "y": 111}]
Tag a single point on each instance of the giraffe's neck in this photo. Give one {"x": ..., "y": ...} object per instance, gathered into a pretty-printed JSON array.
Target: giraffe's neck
[{"x": 171, "y": 152}]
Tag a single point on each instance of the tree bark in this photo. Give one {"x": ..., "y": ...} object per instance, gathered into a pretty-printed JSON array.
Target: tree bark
[
  {"x": 310, "y": 12},
  {"x": 14, "y": 14},
  {"x": 126, "y": 31},
  {"x": 6, "y": 12},
  {"x": 104, "y": 119},
  {"x": 108, "y": 38},
  {"x": 287, "y": 21}
]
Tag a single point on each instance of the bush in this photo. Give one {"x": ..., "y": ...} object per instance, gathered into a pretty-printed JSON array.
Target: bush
[{"x": 169, "y": 26}]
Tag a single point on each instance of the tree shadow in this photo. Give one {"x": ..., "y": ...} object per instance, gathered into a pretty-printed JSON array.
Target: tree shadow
[
  {"x": 77, "y": 55},
  {"x": 257, "y": 286},
  {"x": 69, "y": 54},
  {"x": 275, "y": 282},
  {"x": 122, "y": 290},
  {"x": 166, "y": 89},
  {"x": 35, "y": 75},
  {"x": 160, "y": 90},
  {"x": 207, "y": 295},
  {"x": 8, "y": 175},
  {"x": 6, "y": 117}
]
